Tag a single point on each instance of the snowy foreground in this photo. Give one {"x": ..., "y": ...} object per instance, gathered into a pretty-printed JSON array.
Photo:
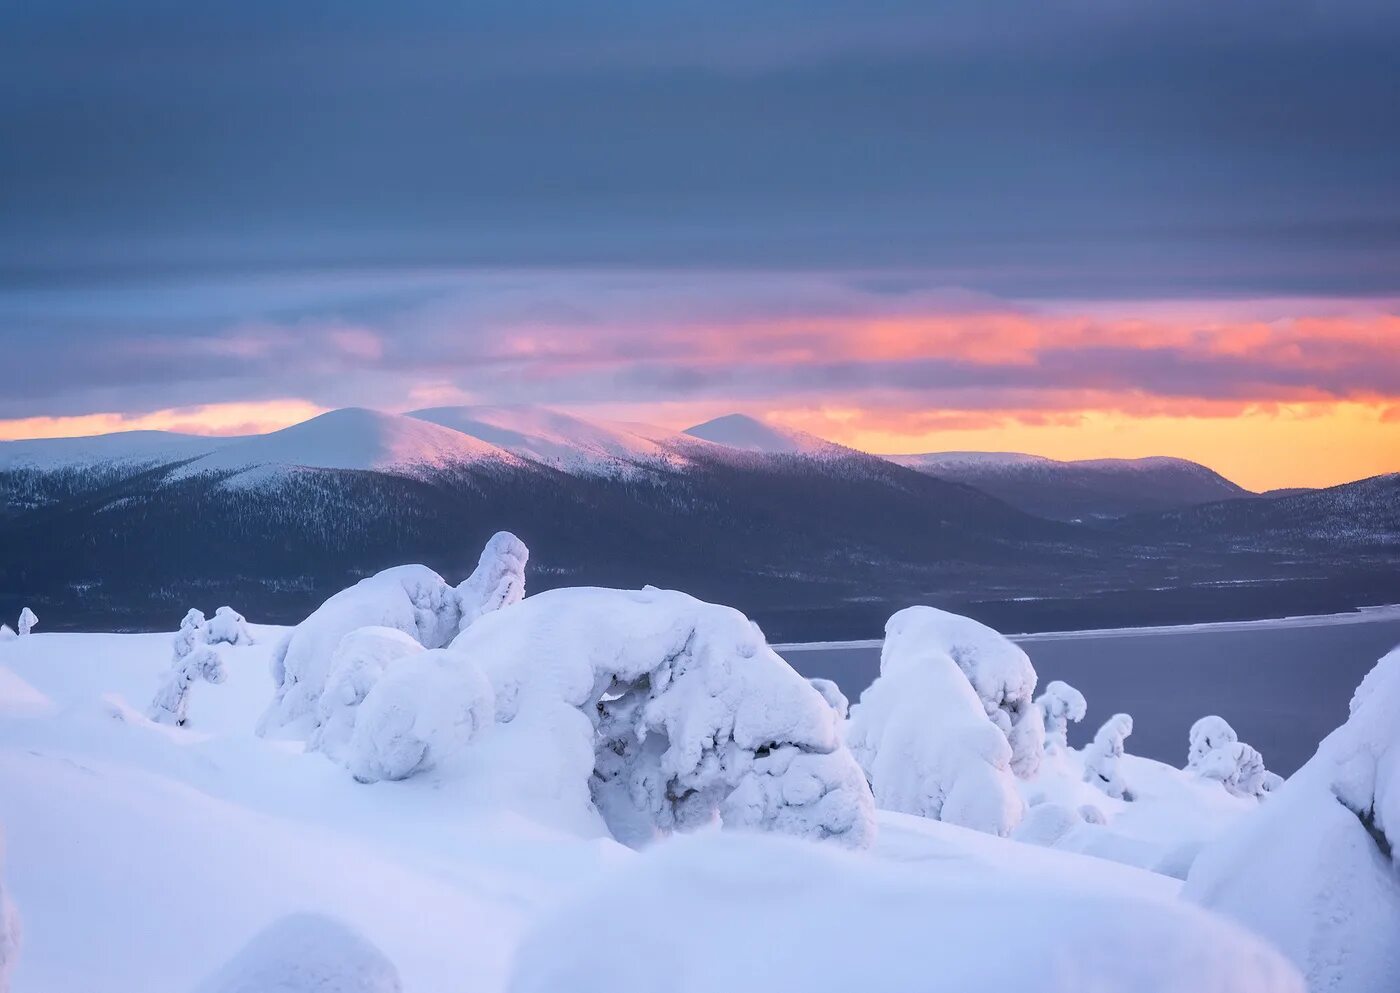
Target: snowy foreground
[{"x": 433, "y": 788}]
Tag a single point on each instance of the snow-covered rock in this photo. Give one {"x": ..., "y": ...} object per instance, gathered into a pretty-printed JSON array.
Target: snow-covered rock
[
  {"x": 1059, "y": 704},
  {"x": 1000, "y": 672},
  {"x": 27, "y": 620},
  {"x": 1103, "y": 757},
  {"x": 427, "y": 707},
  {"x": 748, "y": 914},
  {"x": 172, "y": 700},
  {"x": 356, "y": 665},
  {"x": 832, "y": 694},
  {"x": 1314, "y": 869},
  {"x": 921, "y": 734},
  {"x": 662, "y": 712},
  {"x": 306, "y": 953},
  {"x": 227, "y": 627}
]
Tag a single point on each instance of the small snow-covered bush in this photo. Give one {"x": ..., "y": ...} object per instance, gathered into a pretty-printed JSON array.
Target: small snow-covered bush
[
  {"x": 1314, "y": 870},
  {"x": 1102, "y": 765},
  {"x": 753, "y": 914},
  {"x": 227, "y": 626},
  {"x": 1060, "y": 704},
  {"x": 171, "y": 703},
  {"x": 1217, "y": 753},
  {"x": 9, "y": 930},
  {"x": 409, "y": 598},
  {"x": 7, "y": 633},
  {"x": 999, "y": 671},
  {"x": 27, "y": 620},
  {"x": 306, "y": 953},
  {"x": 191, "y": 633},
  {"x": 356, "y": 665},
  {"x": 426, "y": 707},
  {"x": 832, "y": 694},
  {"x": 921, "y": 734},
  {"x": 661, "y": 712}
]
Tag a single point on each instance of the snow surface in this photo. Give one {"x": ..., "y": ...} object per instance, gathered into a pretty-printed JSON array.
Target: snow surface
[
  {"x": 749, "y": 434},
  {"x": 306, "y": 953}
]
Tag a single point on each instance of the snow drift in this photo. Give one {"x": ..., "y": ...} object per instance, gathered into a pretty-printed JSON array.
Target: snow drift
[
  {"x": 1314, "y": 868},
  {"x": 661, "y": 712},
  {"x": 306, "y": 953},
  {"x": 746, "y": 914}
]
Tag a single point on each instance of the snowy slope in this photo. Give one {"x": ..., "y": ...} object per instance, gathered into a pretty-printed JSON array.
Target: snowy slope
[
  {"x": 561, "y": 440},
  {"x": 752, "y": 435},
  {"x": 351, "y": 439},
  {"x": 122, "y": 448},
  {"x": 1090, "y": 488}
]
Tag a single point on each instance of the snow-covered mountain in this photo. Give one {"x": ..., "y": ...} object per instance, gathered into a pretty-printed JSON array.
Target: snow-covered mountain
[
  {"x": 1081, "y": 490},
  {"x": 133, "y": 448},
  {"x": 350, "y": 439},
  {"x": 749, "y": 434}
]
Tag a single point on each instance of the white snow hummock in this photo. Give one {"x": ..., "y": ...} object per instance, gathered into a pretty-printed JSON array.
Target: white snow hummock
[
  {"x": 425, "y": 708},
  {"x": 999, "y": 670},
  {"x": 7, "y": 633},
  {"x": 27, "y": 621},
  {"x": 359, "y": 659},
  {"x": 306, "y": 953},
  {"x": 748, "y": 914},
  {"x": 922, "y": 735},
  {"x": 172, "y": 700},
  {"x": 1314, "y": 868},
  {"x": 1103, "y": 756},
  {"x": 661, "y": 712},
  {"x": 227, "y": 627},
  {"x": 1060, "y": 704},
  {"x": 410, "y": 598}
]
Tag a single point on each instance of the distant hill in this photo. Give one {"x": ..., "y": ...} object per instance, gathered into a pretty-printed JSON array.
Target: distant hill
[{"x": 1088, "y": 490}]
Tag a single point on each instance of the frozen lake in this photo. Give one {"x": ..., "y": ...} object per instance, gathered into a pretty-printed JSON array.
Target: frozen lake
[{"x": 1283, "y": 685}]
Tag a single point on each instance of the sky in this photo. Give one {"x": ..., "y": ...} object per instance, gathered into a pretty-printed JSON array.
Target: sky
[{"x": 1080, "y": 229}]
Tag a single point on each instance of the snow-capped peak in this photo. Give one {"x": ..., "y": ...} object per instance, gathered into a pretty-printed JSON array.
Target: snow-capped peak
[
  {"x": 752, "y": 435},
  {"x": 352, "y": 438}
]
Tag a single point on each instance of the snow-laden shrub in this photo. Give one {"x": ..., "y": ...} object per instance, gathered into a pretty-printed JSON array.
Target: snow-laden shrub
[
  {"x": 1314, "y": 870},
  {"x": 498, "y": 580},
  {"x": 661, "y": 712},
  {"x": 191, "y": 634},
  {"x": 228, "y": 627},
  {"x": 356, "y": 665},
  {"x": 1216, "y": 753},
  {"x": 921, "y": 734},
  {"x": 409, "y": 598},
  {"x": 172, "y": 700},
  {"x": 426, "y": 707},
  {"x": 1102, "y": 757},
  {"x": 9, "y": 930},
  {"x": 7, "y": 633},
  {"x": 832, "y": 694},
  {"x": 306, "y": 953},
  {"x": 999, "y": 671},
  {"x": 27, "y": 620},
  {"x": 720, "y": 913},
  {"x": 1060, "y": 704}
]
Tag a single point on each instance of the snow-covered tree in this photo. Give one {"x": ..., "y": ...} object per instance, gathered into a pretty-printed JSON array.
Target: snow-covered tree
[
  {"x": 228, "y": 627},
  {"x": 1060, "y": 704},
  {"x": 27, "y": 620},
  {"x": 999, "y": 671},
  {"x": 171, "y": 703},
  {"x": 661, "y": 713},
  {"x": 9, "y": 930},
  {"x": 306, "y": 953},
  {"x": 424, "y": 709},
  {"x": 1103, "y": 755},
  {"x": 190, "y": 635},
  {"x": 832, "y": 694},
  {"x": 920, "y": 732},
  {"x": 1315, "y": 869},
  {"x": 1206, "y": 735},
  {"x": 356, "y": 665},
  {"x": 1216, "y": 752},
  {"x": 498, "y": 580},
  {"x": 7, "y": 633},
  {"x": 410, "y": 598}
]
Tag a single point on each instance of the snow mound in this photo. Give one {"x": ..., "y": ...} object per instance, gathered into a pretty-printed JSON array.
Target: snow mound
[
  {"x": 1000, "y": 672},
  {"x": 358, "y": 661},
  {"x": 306, "y": 953},
  {"x": 425, "y": 708},
  {"x": 921, "y": 734},
  {"x": 749, "y": 434},
  {"x": 748, "y": 914},
  {"x": 353, "y": 438},
  {"x": 661, "y": 712},
  {"x": 1313, "y": 869}
]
